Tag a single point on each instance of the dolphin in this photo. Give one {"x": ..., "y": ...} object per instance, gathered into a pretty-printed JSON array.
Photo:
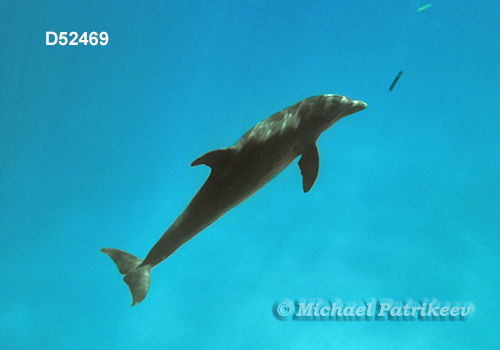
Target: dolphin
[{"x": 239, "y": 171}]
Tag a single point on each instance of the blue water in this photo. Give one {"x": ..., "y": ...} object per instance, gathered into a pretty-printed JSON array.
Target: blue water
[{"x": 96, "y": 142}]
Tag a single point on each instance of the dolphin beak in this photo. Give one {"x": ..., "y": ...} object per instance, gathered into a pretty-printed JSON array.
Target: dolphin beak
[{"x": 356, "y": 107}]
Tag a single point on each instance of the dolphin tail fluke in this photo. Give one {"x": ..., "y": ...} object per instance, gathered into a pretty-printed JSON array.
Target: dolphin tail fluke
[{"x": 136, "y": 275}]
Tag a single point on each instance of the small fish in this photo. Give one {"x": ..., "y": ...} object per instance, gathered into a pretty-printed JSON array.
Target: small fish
[
  {"x": 396, "y": 80},
  {"x": 425, "y": 7}
]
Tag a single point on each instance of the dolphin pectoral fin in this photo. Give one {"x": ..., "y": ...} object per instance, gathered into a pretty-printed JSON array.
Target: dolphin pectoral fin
[
  {"x": 309, "y": 165},
  {"x": 137, "y": 276},
  {"x": 214, "y": 159}
]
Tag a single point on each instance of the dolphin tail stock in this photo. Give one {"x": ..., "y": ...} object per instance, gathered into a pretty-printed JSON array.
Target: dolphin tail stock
[{"x": 136, "y": 276}]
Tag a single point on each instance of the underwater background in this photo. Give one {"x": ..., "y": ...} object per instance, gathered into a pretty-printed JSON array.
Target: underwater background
[{"x": 96, "y": 144}]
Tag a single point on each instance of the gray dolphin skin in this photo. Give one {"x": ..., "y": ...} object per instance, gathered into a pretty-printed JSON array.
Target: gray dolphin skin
[{"x": 239, "y": 171}]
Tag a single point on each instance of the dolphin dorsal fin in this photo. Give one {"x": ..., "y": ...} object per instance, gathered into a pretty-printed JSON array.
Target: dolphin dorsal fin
[
  {"x": 309, "y": 165},
  {"x": 214, "y": 159}
]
